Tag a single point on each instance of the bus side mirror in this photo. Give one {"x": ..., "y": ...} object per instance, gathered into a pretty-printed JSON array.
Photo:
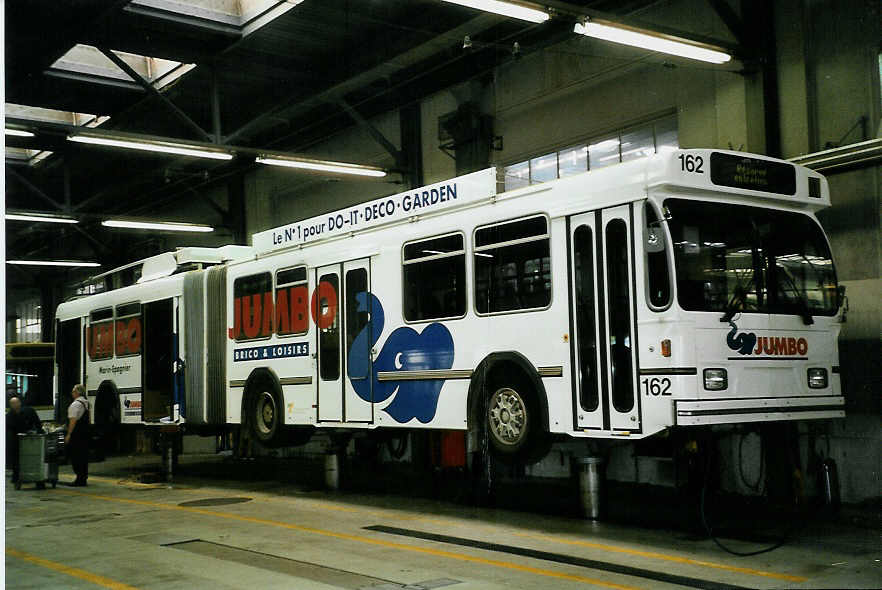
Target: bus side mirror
[
  {"x": 654, "y": 239},
  {"x": 842, "y": 301}
]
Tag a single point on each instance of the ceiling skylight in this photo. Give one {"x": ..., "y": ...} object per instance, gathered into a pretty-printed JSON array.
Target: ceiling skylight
[
  {"x": 26, "y": 157},
  {"x": 245, "y": 15},
  {"x": 19, "y": 155},
  {"x": 89, "y": 61},
  {"x": 20, "y": 111}
]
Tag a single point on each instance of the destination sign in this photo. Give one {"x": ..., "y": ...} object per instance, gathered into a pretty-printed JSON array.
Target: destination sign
[
  {"x": 428, "y": 199},
  {"x": 752, "y": 174}
]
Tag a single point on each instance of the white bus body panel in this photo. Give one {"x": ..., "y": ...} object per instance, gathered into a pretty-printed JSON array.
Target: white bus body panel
[{"x": 434, "y": 395}]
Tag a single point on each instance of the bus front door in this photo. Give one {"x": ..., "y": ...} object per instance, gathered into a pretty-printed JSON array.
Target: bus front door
[
  {"x": 342, "y": 309},
  {"x": 601, "y": 259}
]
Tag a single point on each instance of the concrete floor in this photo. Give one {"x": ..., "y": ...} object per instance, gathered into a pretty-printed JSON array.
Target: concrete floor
[{"x": 215, "y": 528}]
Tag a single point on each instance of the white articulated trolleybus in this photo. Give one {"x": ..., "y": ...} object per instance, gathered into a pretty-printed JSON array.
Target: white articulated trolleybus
[{"x": 694, "y": 287}]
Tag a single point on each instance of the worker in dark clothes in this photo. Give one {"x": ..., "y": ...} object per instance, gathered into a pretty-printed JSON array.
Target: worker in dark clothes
[
  {"x": 21, "y": 418},
  {"x": 77, "y": 437}
]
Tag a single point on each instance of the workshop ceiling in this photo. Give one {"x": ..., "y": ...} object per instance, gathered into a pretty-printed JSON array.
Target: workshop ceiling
[{"x": 279, "y": 79}]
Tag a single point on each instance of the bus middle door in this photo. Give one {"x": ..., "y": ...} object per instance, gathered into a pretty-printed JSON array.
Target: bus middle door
[
  {"x": 602, "y": 271},
  {"x": 342, "y": 318}
]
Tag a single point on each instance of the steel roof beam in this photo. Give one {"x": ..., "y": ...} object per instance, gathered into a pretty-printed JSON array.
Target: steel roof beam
[
  {"x": 390, "y": 66},
  {"x": 34, "y": 189},
  {"x": 727, "y": 14},
  {"x": 93, "y": 79},
  {"x": 181, "y": 115},
  {"x": 374, "y": 132},
  {"x": 229, "y": 30}
]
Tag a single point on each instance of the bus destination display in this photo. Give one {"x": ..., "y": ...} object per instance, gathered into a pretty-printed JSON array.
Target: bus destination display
[{"x": 753, "y": 174}]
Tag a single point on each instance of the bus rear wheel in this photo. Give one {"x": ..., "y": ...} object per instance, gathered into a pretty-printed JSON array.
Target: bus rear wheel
[{"x": 266, "y": 415}]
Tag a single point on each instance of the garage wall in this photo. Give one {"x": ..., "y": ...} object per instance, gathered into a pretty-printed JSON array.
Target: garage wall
[
  {"x": 828, "y": 77},
  {"x": 842, "y": 82}
]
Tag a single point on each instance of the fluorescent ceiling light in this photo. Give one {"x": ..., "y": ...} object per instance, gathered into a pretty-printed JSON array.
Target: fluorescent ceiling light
[
  {"x": 604, "y": 145},
  {"x": 18, "y": 132},
  {"x": 161, "y": 226},
  {"x": 52, "y": 263},
  {"x": 652, "y": 42},
  {"x": 163, "y": 147},
  {"x": 42, "y": 218},
  {"x": 505, "y": 9},
  {"x": 333, "y": 167}
]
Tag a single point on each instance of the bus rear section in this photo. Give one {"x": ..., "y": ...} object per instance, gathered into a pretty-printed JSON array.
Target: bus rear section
[{"x": 123, "y": 346}]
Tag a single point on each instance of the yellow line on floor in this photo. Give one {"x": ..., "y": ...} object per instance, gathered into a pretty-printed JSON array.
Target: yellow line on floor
[
  {"x": 257, "y": 494},
  {"x": 74, "y": 572},
  {"x": 603, "y": 547},
  {"x": 360, "y": 539},
  {"x": 666, "y": 557}
]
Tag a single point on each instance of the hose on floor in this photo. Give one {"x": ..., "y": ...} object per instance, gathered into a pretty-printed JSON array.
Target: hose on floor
[{"x": 710, "y": 533}]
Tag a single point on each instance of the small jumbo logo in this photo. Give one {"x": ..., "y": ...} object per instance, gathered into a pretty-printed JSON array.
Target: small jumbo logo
[
  {"x": 766, "y": 346},
  {"x": 743, "y": 342}
]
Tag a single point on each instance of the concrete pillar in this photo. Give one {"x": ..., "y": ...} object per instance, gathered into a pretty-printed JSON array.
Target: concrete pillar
[
  {"x": 793, "y": 62},
  {"x": 410, "y": 122}
]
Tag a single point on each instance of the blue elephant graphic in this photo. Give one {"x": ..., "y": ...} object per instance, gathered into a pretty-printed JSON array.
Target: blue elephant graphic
[
  {"x": 743, "y": 343},
  {"x": 406, "y": 350}
]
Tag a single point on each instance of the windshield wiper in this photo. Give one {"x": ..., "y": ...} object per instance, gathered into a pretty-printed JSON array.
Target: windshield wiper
[
  {"x": 804, "y": 311},
  {"x": 737, "y": 297}
]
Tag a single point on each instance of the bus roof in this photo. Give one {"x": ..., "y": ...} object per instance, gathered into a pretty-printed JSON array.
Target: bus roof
[{"x": 694, "y": 171}]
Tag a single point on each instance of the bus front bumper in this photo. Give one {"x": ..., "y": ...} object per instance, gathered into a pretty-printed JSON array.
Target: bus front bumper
[{"x": 763, "y": 409}]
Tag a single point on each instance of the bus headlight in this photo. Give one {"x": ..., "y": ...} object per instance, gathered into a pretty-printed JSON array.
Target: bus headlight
[
  {"x": 716, "y": 379},
  {"x": 817, "y": 378}
]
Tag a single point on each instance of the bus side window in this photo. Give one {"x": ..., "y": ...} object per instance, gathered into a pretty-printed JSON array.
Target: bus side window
[
  {"x": 292, "y": 302},
  {"x": 434, "y": 278},
  {"x": 658, "y": 276},
  {"x": 128, "y": 329},
  {"x": 253, "y": 307},
  {"x": 99, "y": 337},
  {"x": 513, "y": 266}
]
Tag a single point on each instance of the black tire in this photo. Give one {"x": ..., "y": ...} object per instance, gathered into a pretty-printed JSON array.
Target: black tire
[
  {"x": 513, "y": 423},
  {"x": 265, "y": 408}
]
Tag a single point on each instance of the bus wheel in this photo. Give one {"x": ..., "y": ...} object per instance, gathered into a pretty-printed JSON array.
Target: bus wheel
[
  {"x": 267, "y": 417},
  {"x": 511, "y": 418}
]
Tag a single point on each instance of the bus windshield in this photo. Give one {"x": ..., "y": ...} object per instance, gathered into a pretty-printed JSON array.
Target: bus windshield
[{"x": 733, "y": 258}]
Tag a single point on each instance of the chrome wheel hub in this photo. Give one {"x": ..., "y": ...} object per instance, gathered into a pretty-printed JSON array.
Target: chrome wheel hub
[
  {"x": 266, "y": 412},
  {"x": 508, "y": 416}
]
